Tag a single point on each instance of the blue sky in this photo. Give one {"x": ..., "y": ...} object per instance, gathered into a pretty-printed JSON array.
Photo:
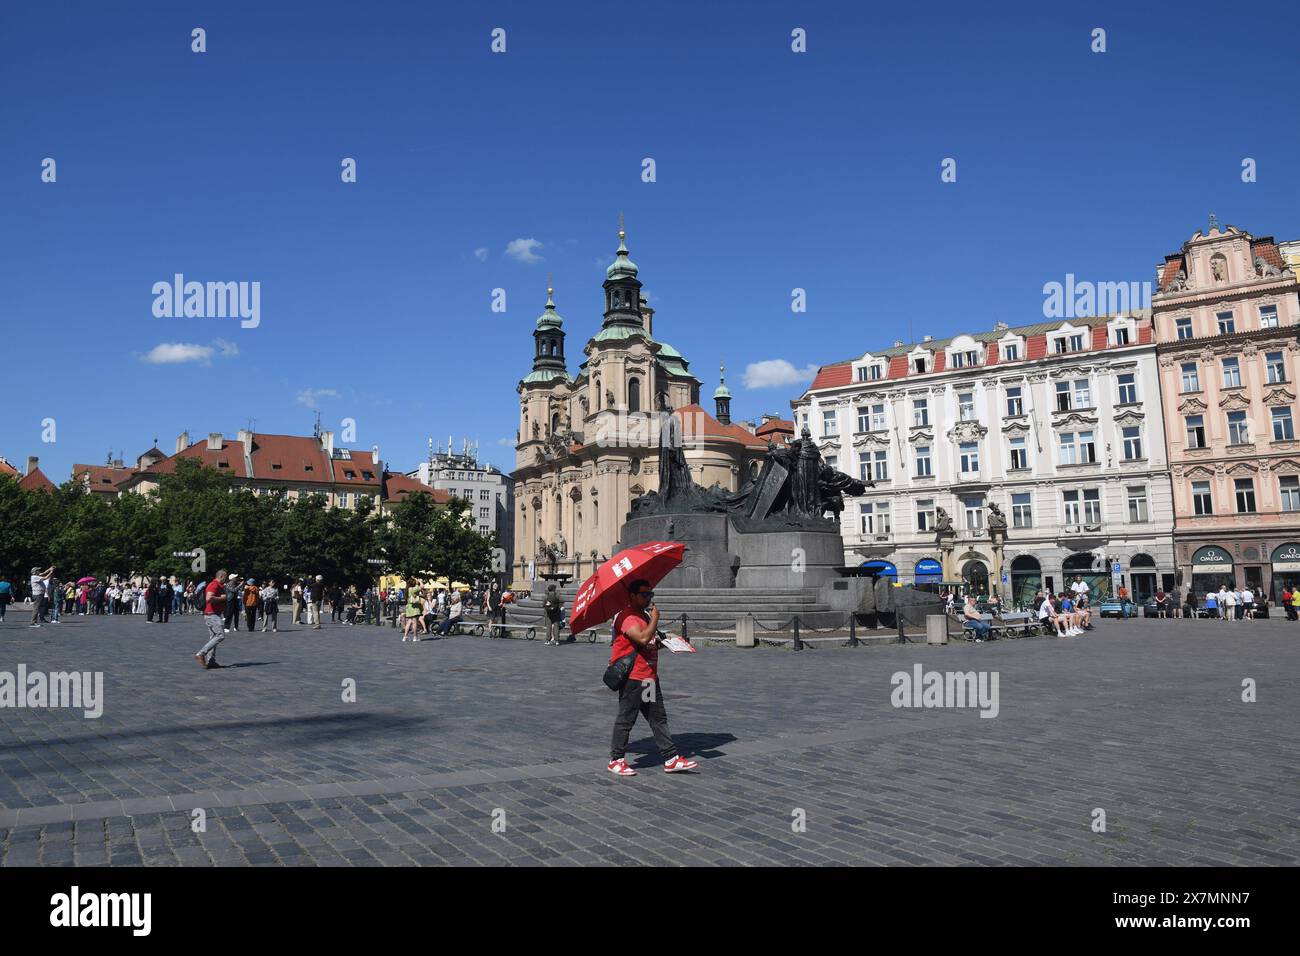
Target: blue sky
[{"x": 775, "y": 170}]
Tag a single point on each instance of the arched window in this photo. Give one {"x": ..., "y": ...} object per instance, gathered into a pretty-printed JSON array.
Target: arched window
[
  {"x": 555, "y": 422},
  {"x": 595, "y": 514},
  {"x": 634, "y": 395},
  {"x": 598, "y": 396}
]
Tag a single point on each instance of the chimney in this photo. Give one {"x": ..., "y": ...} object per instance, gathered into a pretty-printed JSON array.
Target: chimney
[
  {"x": 214, "y": 441},
  {"x": 374, "y": 458},
  {"x": 927, "y": 338},
  {"x": 182, "y": 442},
  {"x": 31, "y": 463},
  {"x": 246, "y": 437},
  {"x": 898, "y": 343},
  {"x": 1000, "y": 327},
  {"x": 327, "y": 443}
]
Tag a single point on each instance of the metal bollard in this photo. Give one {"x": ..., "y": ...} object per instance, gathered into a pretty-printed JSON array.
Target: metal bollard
[
  {"x": 685, "y": 636},
  {"x": 853, "y": 630},
  {"x": 798, "y": 644}
]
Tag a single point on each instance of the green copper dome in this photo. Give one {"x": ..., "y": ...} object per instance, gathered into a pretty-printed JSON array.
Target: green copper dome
[
  {"x": 622, "y": 267},
  {"x": 550, "y": 319},
  {"x": 617, "y": 333},
  {"x": 722, "y": 392},
  {"x": 545, "y": 375}
]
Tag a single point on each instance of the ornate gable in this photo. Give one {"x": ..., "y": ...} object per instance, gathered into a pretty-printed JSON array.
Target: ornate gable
[{"x": 1277, "y": 395}]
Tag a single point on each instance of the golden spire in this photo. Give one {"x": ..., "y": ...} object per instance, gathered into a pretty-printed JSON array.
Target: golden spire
[
  {"x": 621, "y": 234},
  {"x": 722, "y": 372},
  {"x": 550, "y": 286}
]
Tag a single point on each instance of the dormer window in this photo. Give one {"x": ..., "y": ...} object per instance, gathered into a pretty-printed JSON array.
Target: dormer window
[
  {"x": 1119, "y": 335},
  {"x": 1010, "y": 351},
  {"x": 1072, "y": 342},
  {"x": 871, "y": 373},
  {"x": 276, "y": 466},
  {"x": 965, "y": 359},
  {"x": 222, "y": 463},
  {"x": 919, "y": 365}
]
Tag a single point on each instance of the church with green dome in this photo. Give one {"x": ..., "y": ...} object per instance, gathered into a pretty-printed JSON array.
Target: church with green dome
[{"x": 588, "y": 443}]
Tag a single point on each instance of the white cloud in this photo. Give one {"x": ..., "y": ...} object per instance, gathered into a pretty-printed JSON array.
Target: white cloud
[
  {"x": 481, "y": 253},
  {"x": 771, "y": 373},
  {"x": 310, "y": 396},
  {"x": 510, "y": 442},
  {"x": 177, "y": 353},
  {"x": 522, "y": 250}
]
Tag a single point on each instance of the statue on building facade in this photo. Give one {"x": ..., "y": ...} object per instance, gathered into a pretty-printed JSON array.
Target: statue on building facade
[
  {"x": 942, "y": 526},
  {"x": 997, "y": 521}
]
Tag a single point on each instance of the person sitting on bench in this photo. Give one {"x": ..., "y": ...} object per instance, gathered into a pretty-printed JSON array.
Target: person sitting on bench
[
  {"x": 453, "y": 615},
  {"x": 972, "y": 619}
]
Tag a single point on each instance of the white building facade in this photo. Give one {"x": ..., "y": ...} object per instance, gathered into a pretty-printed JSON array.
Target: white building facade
[
  {"x": 1057, "y": 424},
  {"x": 489, "y": 491}
]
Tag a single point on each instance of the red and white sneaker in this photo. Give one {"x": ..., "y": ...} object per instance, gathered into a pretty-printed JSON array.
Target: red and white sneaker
[
  {"x": 679, "y": 764},
  {"x": 621, "y": 768}
]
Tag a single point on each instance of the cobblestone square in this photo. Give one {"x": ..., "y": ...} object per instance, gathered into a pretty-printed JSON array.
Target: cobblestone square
[{"x": 1141, "y": 719}]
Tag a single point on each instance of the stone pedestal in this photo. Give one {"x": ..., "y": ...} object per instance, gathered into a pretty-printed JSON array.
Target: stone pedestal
[
  {"x": 709, "y": 561},
  {"x": 936, "y": 629},
  {"x": 945, "y": 544},
  {"x": 745, "y": 631}
]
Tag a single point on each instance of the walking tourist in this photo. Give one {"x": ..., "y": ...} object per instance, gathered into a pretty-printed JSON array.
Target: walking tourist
[
  {"x": 636, "y": 631},
  {"x": 39, "y": 580},
  {"x": 215, "y": 597},
  {"x": 6, "y": 595},
  {"x": 270, "y": 607},
  {"x": 554, "y": 609},
  {"x": 317, "y": 599}
]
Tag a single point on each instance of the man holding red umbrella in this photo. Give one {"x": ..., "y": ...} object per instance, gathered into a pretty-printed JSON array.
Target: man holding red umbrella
[{"x": 636, "y": 631}]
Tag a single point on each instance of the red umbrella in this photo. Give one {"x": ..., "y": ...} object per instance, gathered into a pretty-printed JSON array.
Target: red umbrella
[
  {"x": 604, "y": 594},
  {"x": 85, "y": 579}
]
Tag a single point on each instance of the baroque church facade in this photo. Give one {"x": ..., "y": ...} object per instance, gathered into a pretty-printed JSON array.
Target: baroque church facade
[{"x": 588, "y": 444}]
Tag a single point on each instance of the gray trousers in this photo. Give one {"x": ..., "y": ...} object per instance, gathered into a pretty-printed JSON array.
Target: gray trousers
[{"x": 215, "y": 624}]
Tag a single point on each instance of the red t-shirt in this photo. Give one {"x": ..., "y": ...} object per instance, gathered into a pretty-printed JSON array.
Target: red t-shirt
[
  {"x": 215, "y": 594},
  {"x": 645, "y": 667}
]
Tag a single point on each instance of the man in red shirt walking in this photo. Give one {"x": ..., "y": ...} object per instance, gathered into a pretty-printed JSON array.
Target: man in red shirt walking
[
  {"x": 214, "y": 604},
  {"x": 636, "y": 631}
]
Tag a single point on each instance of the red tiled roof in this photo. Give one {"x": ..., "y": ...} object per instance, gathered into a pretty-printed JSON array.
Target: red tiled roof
[
  {"x": 1036, "y": 347},
  {"x": 697, "y": 423},
  {"x": 897, "y": 367},
  {"x": 833, "y": 376},
  {"x": 296, "y": 458},
  {"x": 1268, "y": 251},
  {"x": 35, "y": 480},
  {"x": 102, "y": 479},
  {"x": 774, "y": 426},
  {"x": 991, "y": 354},
  {"x": 7, "y": 469},
  {"x": 1170, "y": 271},
  {"x": 1099, "y": 339},
  {"x": 940, "y": 360},
  {"x": 1145, "y": 334},
  {"x": 398, "y": 487}
]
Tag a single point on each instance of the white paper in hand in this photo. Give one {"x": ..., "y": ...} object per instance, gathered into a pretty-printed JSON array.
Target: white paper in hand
[{"x": 676, "y": 644}]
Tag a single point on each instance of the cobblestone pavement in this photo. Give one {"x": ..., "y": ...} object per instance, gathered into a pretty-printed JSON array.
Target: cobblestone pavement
[{"x": 1142, "y": 719}]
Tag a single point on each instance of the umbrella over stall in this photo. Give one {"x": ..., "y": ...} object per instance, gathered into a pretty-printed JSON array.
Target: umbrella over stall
[{"x": 604, "y": 594}]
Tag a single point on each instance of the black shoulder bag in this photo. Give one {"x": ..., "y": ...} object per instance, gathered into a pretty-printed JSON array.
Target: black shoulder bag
[{"x": 616, "y": 674}]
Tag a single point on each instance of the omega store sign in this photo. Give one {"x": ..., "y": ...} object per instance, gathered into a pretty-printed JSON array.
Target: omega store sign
[
  {"x": 1287, "y": 558},
  {"x": 1213, "y": 560}
]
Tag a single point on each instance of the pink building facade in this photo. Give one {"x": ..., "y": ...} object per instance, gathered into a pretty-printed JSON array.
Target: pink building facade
[{"x": 1227, "y": 326}]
